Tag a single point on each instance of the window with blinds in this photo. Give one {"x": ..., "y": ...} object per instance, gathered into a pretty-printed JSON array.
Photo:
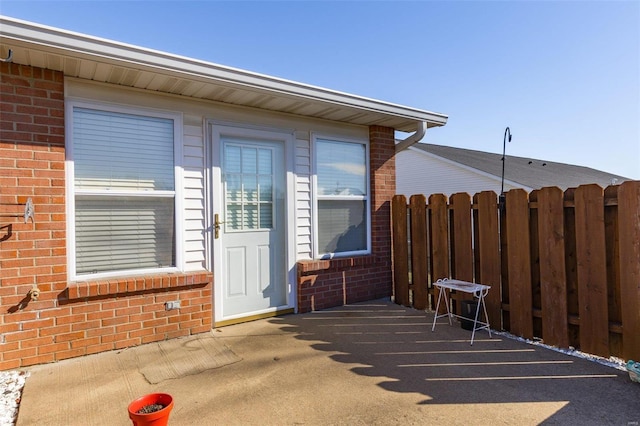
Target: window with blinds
[
  {"x": 124, "y": 191},
  {"x": 342, "y": 198}
]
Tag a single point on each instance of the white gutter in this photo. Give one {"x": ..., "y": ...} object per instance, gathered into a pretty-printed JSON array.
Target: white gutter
[
  {"x": 414, "y": 138},
  {"x": 121, "y": 54}
]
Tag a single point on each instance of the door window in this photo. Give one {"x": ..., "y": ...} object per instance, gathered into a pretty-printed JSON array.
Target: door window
[{"x": 249, "y": 185}]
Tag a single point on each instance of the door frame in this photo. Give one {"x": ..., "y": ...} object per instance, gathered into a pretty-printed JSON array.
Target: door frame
[{"x": 216, "y": 129}]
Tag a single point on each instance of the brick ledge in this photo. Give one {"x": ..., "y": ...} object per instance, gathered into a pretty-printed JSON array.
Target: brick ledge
[
  {"x": 311, "y": 266},
  {"x": 135, "y": 284}
]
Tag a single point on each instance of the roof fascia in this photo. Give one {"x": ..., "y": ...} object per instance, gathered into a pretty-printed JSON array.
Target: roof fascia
[{"x": 120, "y": 53}]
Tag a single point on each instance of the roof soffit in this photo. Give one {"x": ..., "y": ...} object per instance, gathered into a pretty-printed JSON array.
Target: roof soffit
[{"x": 86, "y": 57}]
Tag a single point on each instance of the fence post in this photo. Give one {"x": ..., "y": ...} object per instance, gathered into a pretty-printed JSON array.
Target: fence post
[
  {"x": 418, "y": 207},
  {"x": 553, "y": 279},
  {"x": 400, "y": 249},
  {"x": 629, "y": 243},
  {"x": 591, "y": 270}
]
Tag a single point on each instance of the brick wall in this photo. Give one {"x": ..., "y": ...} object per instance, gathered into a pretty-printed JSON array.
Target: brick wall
[
  {"x": 68, "y": 319},
  {"x": 327, "y": 283}
]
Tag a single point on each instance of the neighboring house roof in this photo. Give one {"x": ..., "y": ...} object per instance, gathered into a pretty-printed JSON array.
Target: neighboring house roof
[
  {"x": 529, "y": 172},
  {"x": 92, "y": 58}
]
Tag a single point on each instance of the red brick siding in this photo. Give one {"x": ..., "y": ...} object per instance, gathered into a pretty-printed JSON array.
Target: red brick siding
[
  {"x": 68, "y": 319},
  {"x": 327, "y": 283}
]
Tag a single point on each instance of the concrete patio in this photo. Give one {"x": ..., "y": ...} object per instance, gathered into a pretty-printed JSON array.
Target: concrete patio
[{"x": 373, "y": 363}]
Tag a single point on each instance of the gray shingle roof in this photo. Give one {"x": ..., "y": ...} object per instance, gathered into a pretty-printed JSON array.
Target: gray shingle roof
[{"x": 529, "y": 172}]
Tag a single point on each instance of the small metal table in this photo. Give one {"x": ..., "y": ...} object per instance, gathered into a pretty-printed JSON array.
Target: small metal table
[{"x": 478, "y": 290}]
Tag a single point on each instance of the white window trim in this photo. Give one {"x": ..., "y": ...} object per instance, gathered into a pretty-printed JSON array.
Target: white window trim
[
  {"x": 177, "y": 118},
  {"x": 314, "y": 196}
]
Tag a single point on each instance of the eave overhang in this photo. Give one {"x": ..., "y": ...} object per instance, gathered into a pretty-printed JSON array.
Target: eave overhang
[{"x": 86, "y": 57}]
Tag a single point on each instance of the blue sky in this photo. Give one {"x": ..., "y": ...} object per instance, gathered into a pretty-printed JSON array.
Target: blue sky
[{"x": 563, "y": 75}]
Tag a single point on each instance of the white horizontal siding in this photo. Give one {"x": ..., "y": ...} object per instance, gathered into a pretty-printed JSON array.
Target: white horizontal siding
[
  {"x": 193, "y": 234},
  {"x": 303, "y": 196},
  {"x": 196, "y": 152},
  {"x": 417, "y": 173},
  {"x": 192, "y": 193},
  {"x": 195, "y": 247},
  {"x": 195, "y": 216},
  {"x": 193, "y": 176},
  {"x": 193, "y": 162}
]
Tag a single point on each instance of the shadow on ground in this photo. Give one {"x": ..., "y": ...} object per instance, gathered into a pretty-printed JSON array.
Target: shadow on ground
[{"x": 396, "y": 345}]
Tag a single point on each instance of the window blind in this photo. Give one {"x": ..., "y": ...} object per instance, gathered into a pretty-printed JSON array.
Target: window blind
[
  {"x": 122, "y": 151},
  {"x": 124, "y": 191},
  {"x": 341, "y": 226},
  {"x": 123, "y": 233}
]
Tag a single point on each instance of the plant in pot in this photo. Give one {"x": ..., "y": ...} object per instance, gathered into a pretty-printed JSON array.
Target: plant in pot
[{"x": 151, "y": 410}]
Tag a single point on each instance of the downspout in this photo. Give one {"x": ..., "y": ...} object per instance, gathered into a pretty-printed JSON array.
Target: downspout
[{"x": 412, "y": 139}]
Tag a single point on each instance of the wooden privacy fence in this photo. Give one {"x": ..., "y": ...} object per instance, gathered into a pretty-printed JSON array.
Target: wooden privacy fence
[{"x": 562, "y": 266}]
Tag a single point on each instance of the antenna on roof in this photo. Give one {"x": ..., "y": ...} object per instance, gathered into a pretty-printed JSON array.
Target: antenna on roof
[{"x": 507, "y": 131}]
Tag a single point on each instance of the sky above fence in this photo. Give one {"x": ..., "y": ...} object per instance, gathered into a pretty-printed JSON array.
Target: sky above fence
[{"x": 563, "y": 75}]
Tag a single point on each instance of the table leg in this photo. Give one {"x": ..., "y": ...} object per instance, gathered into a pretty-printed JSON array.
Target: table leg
[
  {"x": 441, "y": 294},
  {"x": 435, "y": 316},
  {"x": 475, "y": 321},
  {"x": 446, "y": 304},
  {"x": 486, "y": 316}
]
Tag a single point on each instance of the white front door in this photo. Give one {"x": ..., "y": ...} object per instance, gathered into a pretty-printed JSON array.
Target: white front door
[{"x": 249, "y": 226}]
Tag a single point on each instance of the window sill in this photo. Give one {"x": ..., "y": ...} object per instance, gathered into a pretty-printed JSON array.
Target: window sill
[{"x": 137, "y": 284}]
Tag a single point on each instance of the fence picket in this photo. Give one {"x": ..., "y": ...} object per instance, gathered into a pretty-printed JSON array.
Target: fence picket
[
  {"x": 628, "y": 221},
  {"x": 571, "y": 265},
  {"x": 518, "y": 253},
  {"x": 419, "y": 259},
  {"x": 613, "y": 269},
  {"x": 552, "y": 267},
  {"x": 438, "y": 231},
  {"x": 591, "y": 270},
  {"x": 461, "y": 241},
  {"x": 503, "y": 235},
  {"x": 534, "y": 234},
  {"x": 488, "y": 248},
  {"x": 400, "y": 249}
]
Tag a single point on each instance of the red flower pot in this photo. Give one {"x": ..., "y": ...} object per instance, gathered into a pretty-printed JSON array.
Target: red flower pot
[{"x": 157, "y": 418}]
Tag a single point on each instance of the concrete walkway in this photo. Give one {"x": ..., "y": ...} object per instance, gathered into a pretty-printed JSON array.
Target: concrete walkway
[{"x": 372, "y": 363}]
